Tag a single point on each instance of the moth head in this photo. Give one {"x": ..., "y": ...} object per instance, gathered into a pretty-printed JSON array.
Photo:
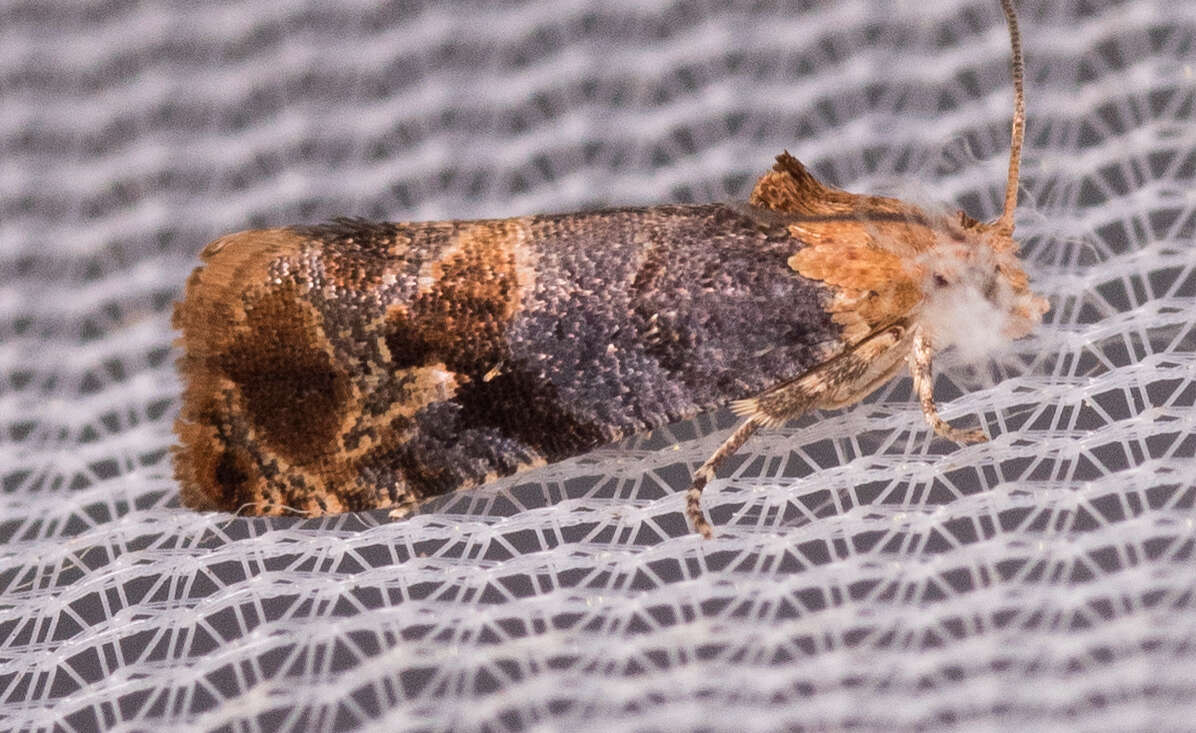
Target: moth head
[{"x": 976, "y": 294}]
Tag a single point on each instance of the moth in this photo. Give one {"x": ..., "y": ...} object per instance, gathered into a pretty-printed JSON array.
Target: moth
[{"x": 360, "y": 365}]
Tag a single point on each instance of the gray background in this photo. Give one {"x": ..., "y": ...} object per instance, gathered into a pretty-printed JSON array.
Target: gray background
[{"x": 865, "y": 575}]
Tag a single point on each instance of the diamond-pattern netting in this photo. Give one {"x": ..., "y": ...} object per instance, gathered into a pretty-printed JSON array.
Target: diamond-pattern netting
[{"x": 865, "y": 575}]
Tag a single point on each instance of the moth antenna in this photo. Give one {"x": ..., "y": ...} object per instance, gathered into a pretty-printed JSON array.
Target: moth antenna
[{"x": 1005, "y": 223}]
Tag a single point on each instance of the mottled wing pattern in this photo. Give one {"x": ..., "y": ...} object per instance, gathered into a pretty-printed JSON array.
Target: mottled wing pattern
[{"x": 360, "y": 365}]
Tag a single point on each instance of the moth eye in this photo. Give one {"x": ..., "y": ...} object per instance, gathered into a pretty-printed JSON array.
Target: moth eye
[
  {"x": 940, "y": 281},
  {"x": 990, "y": 288}
]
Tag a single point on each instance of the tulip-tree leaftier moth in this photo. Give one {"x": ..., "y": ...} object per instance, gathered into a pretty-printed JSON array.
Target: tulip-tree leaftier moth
[{"x": 359, "y": 365}]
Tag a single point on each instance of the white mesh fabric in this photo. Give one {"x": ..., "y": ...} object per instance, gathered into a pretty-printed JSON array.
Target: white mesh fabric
[{"x": 865, "y": 574}]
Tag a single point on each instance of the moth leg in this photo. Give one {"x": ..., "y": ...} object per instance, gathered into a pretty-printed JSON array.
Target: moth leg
[
  {"x": 404, "y": 508},
  {"x": 703, "y": 476},
  {"x": 920, "y": 356},
  {"x": 869, "y": 365},
  {"x": 832, "y": 384}
]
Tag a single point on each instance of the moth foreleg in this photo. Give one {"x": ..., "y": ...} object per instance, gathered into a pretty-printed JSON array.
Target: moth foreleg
[{"x": 920, "y": 356}]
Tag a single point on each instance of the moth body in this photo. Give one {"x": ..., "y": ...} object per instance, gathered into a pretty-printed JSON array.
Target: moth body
[{"x": 363, "y": 365}]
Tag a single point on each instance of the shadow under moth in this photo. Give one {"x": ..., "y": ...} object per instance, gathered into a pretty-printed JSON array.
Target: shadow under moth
[{"x": 359, "y": 365}]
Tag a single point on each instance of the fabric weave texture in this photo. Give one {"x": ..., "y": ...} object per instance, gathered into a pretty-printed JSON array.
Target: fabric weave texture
[{"x": 865, "y": 574}]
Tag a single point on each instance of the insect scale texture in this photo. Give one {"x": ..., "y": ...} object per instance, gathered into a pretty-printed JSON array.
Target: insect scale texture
[{"x": 361, "y": 365}]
